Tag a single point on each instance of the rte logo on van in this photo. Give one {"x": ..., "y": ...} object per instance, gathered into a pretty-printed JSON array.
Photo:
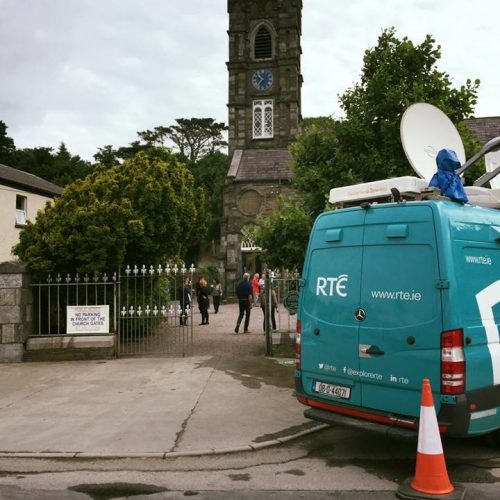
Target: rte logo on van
[{"x": 329, "y": 286}]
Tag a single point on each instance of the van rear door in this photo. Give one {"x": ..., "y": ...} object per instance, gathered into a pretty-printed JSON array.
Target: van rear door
[
  {"x": 400, "y": 296},
  {"x": 329, "y": 299}
]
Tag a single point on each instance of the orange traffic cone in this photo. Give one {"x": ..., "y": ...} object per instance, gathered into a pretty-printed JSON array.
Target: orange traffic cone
[{"x": 431, "y": 478}]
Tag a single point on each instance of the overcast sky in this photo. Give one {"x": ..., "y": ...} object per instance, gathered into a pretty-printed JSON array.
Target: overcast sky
[{"x": 94, "y": 72}]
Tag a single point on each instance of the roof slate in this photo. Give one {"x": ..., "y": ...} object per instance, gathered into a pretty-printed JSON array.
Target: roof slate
[
  {"x": 261, "y": 165},
  {"x": 485, "y": 128},
  {"x": 28, "y": 182}
]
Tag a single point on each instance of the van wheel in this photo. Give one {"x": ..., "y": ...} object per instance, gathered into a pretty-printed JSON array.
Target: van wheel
[
  {"x": 496, "y": 437},
  {"x": 493, "y": 438}
]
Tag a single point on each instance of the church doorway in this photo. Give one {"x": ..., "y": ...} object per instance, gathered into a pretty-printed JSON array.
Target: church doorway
[
  {"x": 251, "y": 263},
  {"x": 250, "y": 253}
]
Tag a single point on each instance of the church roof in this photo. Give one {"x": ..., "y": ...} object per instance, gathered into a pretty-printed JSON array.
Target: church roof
[
  {"x": 260, "y": 165},
  {"x": 485, "y": 128},
  {"x": 28, "y": 182}
]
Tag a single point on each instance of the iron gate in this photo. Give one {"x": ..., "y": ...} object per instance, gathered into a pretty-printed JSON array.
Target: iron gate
[
  {"x": 280, "y": 308},
  {"x": 144, "y": 307},
  {"x": 52, "y": 298},
  {"x": 150, "y": 313}
]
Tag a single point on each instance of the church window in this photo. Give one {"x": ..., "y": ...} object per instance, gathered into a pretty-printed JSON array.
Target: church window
[
  {"x": 263, "y": 119},
  {"x": 248, "y": 239},
  {"x": 263, "y": 44}
]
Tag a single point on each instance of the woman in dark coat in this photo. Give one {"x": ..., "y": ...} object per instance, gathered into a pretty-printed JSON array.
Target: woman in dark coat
[
  {"x": 203, "y": 301},
  {"x": 185, "y": 301}
]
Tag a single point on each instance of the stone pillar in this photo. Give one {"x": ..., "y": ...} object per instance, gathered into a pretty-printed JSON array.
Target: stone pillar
[{"x": 16, "y": 311}]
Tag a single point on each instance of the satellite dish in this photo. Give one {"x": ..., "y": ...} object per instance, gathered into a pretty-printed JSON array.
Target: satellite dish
[{"x": 425, "y": 130}]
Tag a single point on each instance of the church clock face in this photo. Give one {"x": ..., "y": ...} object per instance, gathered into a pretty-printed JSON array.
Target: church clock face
[{"x": 262, "y": 79}]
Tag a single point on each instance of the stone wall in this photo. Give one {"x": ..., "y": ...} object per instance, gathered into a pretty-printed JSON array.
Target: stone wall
[{"x": 16, "y": 311}]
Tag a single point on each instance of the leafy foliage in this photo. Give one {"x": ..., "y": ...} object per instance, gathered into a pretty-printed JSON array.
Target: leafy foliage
[
  {"x": 284, "y": 235},
  {"x": 107, "y": 156},
  {"x": 61, "y": 168},
  {"x": 210, "y": 173},
  {"x": 317, "y": 162},
  {"x": 196, "y": 137},
  {"x": 198, "y": 141},
  {"x": 7, "y": 146},
  {"x": 365, "y": 145},
  {"x": 139, "y": 212}
]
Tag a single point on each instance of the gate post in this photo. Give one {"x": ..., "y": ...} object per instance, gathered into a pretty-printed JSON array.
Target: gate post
[
  {"x": 267, "y": 312},
  {"x": 16, "y": 310}
]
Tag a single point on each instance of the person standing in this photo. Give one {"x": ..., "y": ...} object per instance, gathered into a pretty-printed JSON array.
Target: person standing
[
  {"x": 203, "y": 301},
  {"x": 185, "y": 301},
  {"x": 197, "y": 287},
  {"x": 262, "y": 283},
  {"x": 244, "y": 294},
  {"x": 255, "y": 289},
  {"x": 274, "y": 307},
  {"x": 216, "y": 294}
]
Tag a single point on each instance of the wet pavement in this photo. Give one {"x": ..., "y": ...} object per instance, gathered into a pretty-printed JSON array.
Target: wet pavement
[{"x": 225, "y": 396}]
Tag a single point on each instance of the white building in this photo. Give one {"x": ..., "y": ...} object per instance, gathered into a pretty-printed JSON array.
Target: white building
[{"x": 21, "y": 196}]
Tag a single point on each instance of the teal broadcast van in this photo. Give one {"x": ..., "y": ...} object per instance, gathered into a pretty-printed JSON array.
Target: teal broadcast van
[{"x": 392, "y": 293}]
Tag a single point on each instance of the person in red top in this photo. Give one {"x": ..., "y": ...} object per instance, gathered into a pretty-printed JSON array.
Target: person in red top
[{"x": 255, "y": 289}]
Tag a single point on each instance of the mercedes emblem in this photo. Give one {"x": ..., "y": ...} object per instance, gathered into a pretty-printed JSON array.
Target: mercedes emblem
[{"x": 360, "y": 315}]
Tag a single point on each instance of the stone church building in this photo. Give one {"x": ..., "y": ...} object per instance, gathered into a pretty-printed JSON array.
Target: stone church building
[{"x": 264, "y": 116}]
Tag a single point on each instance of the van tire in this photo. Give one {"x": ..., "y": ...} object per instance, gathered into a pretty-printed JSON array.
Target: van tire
[{"x": 496, "y": 437}]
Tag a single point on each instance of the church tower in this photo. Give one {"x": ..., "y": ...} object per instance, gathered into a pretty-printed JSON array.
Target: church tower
[{"x": 264, "y": 116}]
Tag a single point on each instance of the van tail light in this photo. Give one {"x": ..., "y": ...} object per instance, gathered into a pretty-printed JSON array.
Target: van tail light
[
  {"x": 452, "y": 362},
  {"x": 298, "y": 351}
]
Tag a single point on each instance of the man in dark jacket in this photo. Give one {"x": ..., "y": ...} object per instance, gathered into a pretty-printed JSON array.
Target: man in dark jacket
[{"x": 244, "y": 294}]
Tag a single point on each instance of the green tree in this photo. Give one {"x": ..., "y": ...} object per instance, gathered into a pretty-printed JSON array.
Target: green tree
[
  {"x": 128, "y": 152},
  {"x": 197, "y": 142},
  {"x": 395, "y": 74},
  {"x": 107, "y": 156},
  {"x": 139, "y": 212},
  {"x": 7, "y": 146},
  {"x": 195, "y": 137},
  {"x": 37, "y": 161},
  {"x": 284, "y": 234},
  {"x": 210, "y": 173},
  {"x": 365, "y": 145},
  {"x": 68, "y": 168},
  {"x": 317, "y": 162},
  {"x": 61, "y": 167}
]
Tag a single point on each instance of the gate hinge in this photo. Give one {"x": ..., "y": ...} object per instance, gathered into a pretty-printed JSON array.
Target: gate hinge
[{"x": 442, "y": 284}]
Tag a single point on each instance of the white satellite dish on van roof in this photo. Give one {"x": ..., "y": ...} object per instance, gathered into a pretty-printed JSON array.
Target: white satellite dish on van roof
[{"x": 424, "y": 131}]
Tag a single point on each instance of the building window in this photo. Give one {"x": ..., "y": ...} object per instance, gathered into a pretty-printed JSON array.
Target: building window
[
  {"x": 263, "y": 43},
  {"x": 263, "y": 119},
  {"x": 21, "y": 202},
  {"x": 248, "y": 239}
]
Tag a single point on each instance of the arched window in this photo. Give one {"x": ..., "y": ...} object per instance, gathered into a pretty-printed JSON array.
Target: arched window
[
  {"x": 263, "y": 119},
  {"x": 248, "y": 239},
  {"x": 263, "y": 43}
]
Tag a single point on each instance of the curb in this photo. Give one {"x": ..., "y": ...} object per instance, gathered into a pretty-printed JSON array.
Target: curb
[{"x": 167, "y": 454}]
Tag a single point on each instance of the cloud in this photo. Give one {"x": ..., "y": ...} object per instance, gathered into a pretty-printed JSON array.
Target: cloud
[{"x": 95, "y": 72}]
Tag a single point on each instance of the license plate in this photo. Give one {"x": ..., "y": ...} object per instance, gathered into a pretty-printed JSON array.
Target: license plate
[{"x": 337, "y": 391}]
